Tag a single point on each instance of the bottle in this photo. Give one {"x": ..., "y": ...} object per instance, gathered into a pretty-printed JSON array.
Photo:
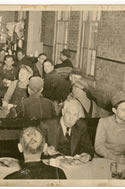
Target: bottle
[{"x": 113, "y": 169}]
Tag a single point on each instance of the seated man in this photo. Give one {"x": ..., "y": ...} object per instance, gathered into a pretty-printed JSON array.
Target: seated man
[
  {"x": 64, "y": 57},
  {"x": 36, "y": 106},
  {"x": 110, "y": 136},
  {"x": 32, "y": 144},
  {"x": 68, "y": 134}
]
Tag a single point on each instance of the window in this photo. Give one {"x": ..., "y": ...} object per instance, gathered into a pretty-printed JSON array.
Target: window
[
  {"x": 87, "y": 42},
  {"x": 62, "y": 22}
]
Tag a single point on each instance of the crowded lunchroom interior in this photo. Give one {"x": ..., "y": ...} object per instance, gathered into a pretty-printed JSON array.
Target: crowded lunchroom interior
[{"x": 62, "y": 94}]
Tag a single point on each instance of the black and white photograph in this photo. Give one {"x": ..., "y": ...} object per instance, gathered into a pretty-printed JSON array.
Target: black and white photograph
[{"x": 62, "y": 95}]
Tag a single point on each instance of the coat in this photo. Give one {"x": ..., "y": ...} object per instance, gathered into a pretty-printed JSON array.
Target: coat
[
  {"x": 80, "y": 141},
  {"x": 37, "y": 170}
]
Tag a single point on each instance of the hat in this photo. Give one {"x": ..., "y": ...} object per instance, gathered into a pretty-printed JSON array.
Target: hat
[
  {"x": 66, "y": 52},
  {"x": 81, "y": 83},
  {"x": 36, "y": 84},
  {"x": 28, "y": 68},
  {"x": 118, "y": 97}
]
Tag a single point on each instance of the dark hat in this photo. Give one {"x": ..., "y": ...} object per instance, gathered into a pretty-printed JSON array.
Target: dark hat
[
  {"x": 118, "y": 97},
  {"x": 66, "y": 52},
  {"x": 36, "y": 84}
]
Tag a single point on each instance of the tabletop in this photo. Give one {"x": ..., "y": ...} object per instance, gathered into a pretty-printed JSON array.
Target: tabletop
[{"x": 98, "y": 168}]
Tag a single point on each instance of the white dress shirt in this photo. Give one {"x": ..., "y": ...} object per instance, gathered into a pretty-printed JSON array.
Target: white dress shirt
[{"x": 64, "y": 128}]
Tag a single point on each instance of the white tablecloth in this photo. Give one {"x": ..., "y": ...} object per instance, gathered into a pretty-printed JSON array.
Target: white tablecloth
[
  {"x": 98, "y": 168},
  {"x": 4, "y": 170}
]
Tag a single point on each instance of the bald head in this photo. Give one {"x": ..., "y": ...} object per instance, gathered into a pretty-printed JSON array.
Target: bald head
[
  {"x": 32, "y": 141},
  {"x": 36, "y": 85}
]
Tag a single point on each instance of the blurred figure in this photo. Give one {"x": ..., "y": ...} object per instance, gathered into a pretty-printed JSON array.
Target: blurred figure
[
  {"x": 36, "y": 106},
  {"x": 8, "y": 73},
  {"x": 17, "y": 89},
  {"x": 23, "y": 59},
  {"x": 38, "y": 68},
  {"x": 75, "y": 75},
  {"x": 56, "y": 88},
  {"x": 85, "y": 98},
  {"x": 81, "y": 92},
  {"x": 2, "y": 56},
  {"x": 31, "y": 144},
  {"x": 110, "y": 135},
  {"x": 84, "y": 93},
  {"x": 65, "y": 61}
]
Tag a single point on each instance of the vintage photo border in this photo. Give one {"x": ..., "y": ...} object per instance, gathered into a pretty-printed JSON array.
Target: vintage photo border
[{"x": 62, "y": 182}]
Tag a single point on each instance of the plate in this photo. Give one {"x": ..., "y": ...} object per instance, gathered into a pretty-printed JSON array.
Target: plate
[
  {"x": 9, "y": 162},
  {"x": 68, "y": 161}
]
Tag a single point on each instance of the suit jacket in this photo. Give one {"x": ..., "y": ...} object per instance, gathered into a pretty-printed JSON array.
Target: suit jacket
[
  {"x": 38, "y": 70},
  {"x": 65, "y": 63},
  {"x": 37, "y": 170},
  {"x": 80, "y": 141}
]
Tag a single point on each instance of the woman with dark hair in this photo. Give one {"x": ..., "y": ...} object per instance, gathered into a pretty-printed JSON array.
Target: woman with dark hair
[{"x": 17, "y": 89}]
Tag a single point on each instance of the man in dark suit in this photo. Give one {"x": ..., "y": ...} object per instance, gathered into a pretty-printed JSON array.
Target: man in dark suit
[
  {"x": 69, "y": 135},
  {"x": 31, "y": 144}
]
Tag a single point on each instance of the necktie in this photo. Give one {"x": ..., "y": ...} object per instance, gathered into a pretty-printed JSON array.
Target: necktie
[{"x": 67, "y": 133}]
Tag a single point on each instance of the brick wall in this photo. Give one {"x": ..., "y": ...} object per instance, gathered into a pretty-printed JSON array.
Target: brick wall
[
  {"x": 111, "y": 38},
  {"x": 73, "y": 33},
  {"x": 48, "y": 20},
  {"x": 73, "y": 30},
  {"x": 48, "y": 24},
  {"x": 110, "y": 74}
]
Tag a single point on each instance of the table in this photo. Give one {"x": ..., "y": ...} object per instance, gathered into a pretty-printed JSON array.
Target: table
[
  {"x": 98, "y": 168},
  {"x": 4, "y": 170}
]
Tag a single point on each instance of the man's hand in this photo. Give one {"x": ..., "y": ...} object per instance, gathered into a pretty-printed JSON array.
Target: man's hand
[
  {"x": 49, "y": 150},
  {"x": 84, "y": 157},
  {"x": 5, "y": 104}
]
